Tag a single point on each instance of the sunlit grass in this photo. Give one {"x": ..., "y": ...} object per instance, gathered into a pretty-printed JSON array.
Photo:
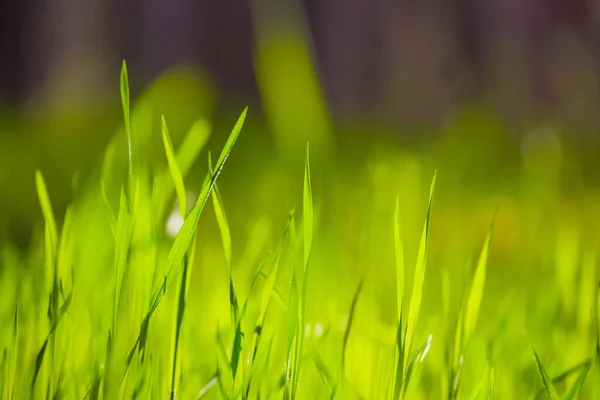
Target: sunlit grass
[{"x": 349, "y": 295}]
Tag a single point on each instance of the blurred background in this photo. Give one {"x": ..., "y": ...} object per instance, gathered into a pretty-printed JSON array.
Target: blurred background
[{"x": 477, "y": 81}]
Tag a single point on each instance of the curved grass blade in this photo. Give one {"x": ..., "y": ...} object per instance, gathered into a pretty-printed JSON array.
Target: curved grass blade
[
  {"x": 479, "y": 389},
  {"x": 548, "y": 386},
  {"x": 186, "y": 154},
  {"x": 581, "y": 368},
  {"x": 3, "y": 368},
  {"x": 50, "y": 233},
  {"x": 174, "y": 168},
  {"x": 42, "y": 351},
  {"x": 185, "y": 237},
  {"x": 325, "y": 375},
  {"x": 124, "y": 85},
  {"x": 418, "y": 358},
  {"x": 399, "y": 253},
  {"x": 308, "y": 228},
  {"x": 307, "y": 209},
  {"x": 572, "y": 394},
  {"x": 14, "y": 356},
  {"x": 349, "y": 324},
  {"x": 417, "y": 291},
  {"x": 46, "y": 206},
  {"x": 476, "y": 293},
  {"x": 204, "y": 391}
]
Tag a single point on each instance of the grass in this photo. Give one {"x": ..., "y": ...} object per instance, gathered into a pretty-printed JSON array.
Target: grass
[{"x": 353, "y": 297}]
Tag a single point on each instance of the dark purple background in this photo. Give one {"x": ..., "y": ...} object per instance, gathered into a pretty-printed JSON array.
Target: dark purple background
[{"x": 410, "y": 58}]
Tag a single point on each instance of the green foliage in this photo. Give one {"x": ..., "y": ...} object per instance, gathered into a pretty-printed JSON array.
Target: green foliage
[{"x": 91, "y": 311}]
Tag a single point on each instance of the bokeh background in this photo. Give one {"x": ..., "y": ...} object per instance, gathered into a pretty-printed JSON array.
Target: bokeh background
[{"x": 478, "y": 79}]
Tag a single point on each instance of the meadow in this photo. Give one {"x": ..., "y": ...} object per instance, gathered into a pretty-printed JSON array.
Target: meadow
[{"x": 463, "y": 268}]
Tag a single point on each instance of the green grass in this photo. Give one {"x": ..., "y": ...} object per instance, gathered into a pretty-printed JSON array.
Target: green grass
[{"x": 364, "y": 290}]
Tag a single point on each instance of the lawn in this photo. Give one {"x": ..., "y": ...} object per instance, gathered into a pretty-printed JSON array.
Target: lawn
[{"x": 203, "y": 265}]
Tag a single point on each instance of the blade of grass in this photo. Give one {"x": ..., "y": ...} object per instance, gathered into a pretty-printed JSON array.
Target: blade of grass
[
  {"x": 122, "y": 242},
  {"x": 417, "y": 359},
  {"x": 3, "y": 369},
  {"x": 184, "y": 238},
  {"x": 479, "y": 389},
  {"x": 14, "y": 355},
  {"x": 51, "y": 234},
  {"x": 308, "y": 227},
  {"x": 349, "y": 324},
  {"x": 572, "y": 394},
  {"x": 399, "y": 347},
  {"x": 476, "y": 293},
  {"x": 550, "y": 389},
  {"x": 187, "y": 153},
  {"x": 325, "y": 375},
  {"x": 419, "y": 277},
  {"x": 124, "y": 85},
  {"x": 174, "y": 168},
  {"x": 399, "y": 252},
  {"x": 209, "y": 385},
  {"x": 42, "y": 351},
  {"x": 223, "y": 225}
]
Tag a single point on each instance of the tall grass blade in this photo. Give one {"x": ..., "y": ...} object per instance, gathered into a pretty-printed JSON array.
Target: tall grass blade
[
  {"x": 479, "y": 389},
  {"x": 574, "y": 391},
  {"x": 14, "y": 356},
  {"x": 204, "y": 391},
  {"x": 476, "y": 293},
  {"x": 174, "y": 168},
  {"x": 185, "y": 237},
  {"x": 124, "y": 85},
  {"x": 419, "y": 277},
  {"x": 399, "y": 253},
  {"x": 325, "y": 375},
  {"x": 547, "y": 381},
  {"x": 3, "y": 373},
  {"x": 42, "y": 351},
  {"x": 349, "y": 324}
]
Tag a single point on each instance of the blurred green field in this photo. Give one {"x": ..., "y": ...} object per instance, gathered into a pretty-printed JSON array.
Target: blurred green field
[{"x": 289, "y": 280}]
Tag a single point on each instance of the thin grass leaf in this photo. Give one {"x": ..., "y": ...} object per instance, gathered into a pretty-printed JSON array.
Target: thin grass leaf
[
  {"x": 491, "y": 385},
  {"x": 560, "y": 378},
  {"x": 476, "y": 293},
  {"x": 204, "y": 391},
  {"x": 307, "y": 207},
  {"x": 50, "y": 234},
  {"x": 293, "y": 322},
  {"x": 325, "y": 375},
  {"x": 174, "y": 168},
  {"x": 399, "y": 253},
  {"x": 46, "y": 206},
  {"x": 550, "y": 389},
  {"x": 184, "y": 239},
  {"x": 227, "y": 248},
  {"x": 418, "y": 358},
  {"x": 186, "y": 154},
  {"x": 122, "y": 242},
  {"x": 14, "y": 356},
  {"x": 267, "y": 292},
  {"x": 181, "y": 302},
  {"x": 93, "y": 392},
  {"x": 479, "y": 389},
  {"x": 572, "y": 394},
  {"x": 308, "y": 227},
  {"x": 3, "y": 373},
  {"x": 42, "y": 351},
  {"x": 124, "y": 85},
  {"x": 349, "y": 324},
  {"x": 399, "y": 345},
  {"x": 419, "y": 277}
]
